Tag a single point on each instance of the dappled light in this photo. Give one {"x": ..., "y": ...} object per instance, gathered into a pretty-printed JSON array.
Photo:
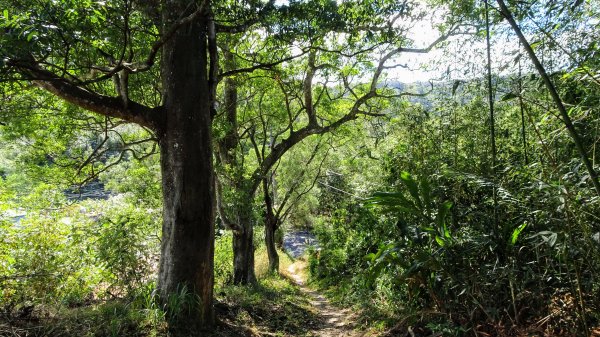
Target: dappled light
[{"x": 321, "y": 168}]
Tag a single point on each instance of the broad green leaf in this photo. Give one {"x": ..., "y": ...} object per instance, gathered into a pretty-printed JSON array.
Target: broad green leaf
[
  {"x": 370, "y": 257},
  {"x": 426, "y": 193},
  {"x": 413, "y": 189},
  {"x": 443, "y": 210},
  {"x": 390, "y": 199}
]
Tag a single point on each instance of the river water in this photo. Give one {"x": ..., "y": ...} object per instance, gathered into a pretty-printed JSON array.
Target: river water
[{"x": 296, "y": 242}]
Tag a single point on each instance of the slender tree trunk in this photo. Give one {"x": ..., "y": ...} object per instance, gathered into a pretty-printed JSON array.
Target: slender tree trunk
[
  {"x": 187, "y": 249},
  {"x": 270, "y": 228},
  {"x": 243, "y": 245},
  {"x": 492, "y": 116},
  {"x": 243, "y": 257},
  {"x": 243, "y": 240},
  {"x": 522, "y": 110},
  {"x": 506, "y": 13}
]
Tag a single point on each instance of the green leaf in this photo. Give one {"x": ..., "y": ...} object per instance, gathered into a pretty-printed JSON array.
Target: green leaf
[
  {"x": 391, "y": 201},
  {"x": 534, "y": 44},
  {"x": 5, "y": 13},
  {"x": 440, "y": 241},
  {"x": 99, "y": 15},
  {"x": 516, "y": 232},
  {"x": 426, "y": 192},
  {"x": 508, "y": 96},
  {"x": 443, "y": 210},
  {"x": 370, "y": 257},
  {"x": 413, "y": 189},
  {"x": 548, "y": 237}
]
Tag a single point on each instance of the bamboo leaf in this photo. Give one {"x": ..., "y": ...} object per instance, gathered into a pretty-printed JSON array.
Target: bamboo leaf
[
  {"x": 412, "y": 187},
  {"x": 440, "y": 241},
  {"x": 508, "y": 97},
  {"x": 516, "y": 232},
  {"x": 426, "y": 193}
]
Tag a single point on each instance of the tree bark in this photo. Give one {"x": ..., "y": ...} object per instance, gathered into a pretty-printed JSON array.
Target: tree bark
[
  {"x": 243, "y": 237},
  {"x": 186, "y": 263},
  {"x": 270, "y": 228},
  {"x": 243, "y": 244}
]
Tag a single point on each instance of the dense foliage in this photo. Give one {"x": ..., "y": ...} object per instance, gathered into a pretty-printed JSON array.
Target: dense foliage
[
  {"x": 447, "y": 207},
  {"x": 435, "y": 244}
]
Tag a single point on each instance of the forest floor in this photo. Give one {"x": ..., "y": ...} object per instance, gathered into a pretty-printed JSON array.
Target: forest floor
[
  {"x": 282, "y": 305},
  {"x": 278, "y": 305},
  {"x": 334, "y": 321}
]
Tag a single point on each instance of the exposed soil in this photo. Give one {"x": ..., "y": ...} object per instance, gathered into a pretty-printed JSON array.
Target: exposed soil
[{"x": 333, "y": 321}]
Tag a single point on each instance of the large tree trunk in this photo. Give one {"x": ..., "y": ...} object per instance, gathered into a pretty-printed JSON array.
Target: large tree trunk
[
  {"x": 186, "y": 263},
  {"x": 243, "y": 245}
]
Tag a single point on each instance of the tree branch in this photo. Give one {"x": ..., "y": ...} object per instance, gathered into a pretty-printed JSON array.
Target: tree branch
[
  {"x": 166, "y": 36},
  {"x": 101, "y": 104},
  {"x": 307, "y": 88},
  {"x": 264, "y": 66}
]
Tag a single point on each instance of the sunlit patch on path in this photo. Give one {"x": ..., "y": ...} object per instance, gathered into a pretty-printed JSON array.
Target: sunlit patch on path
[{"x": 334, "y": 321}]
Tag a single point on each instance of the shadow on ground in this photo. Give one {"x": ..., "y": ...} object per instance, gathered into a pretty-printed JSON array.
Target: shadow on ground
[{"x": 272, "y": 307}]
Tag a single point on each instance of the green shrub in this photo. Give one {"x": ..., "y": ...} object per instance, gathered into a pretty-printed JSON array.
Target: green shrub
[
  {"x": 223, "y": 258},
  {"x": 77, "y": 253},
  {"x": 127, "y": 247},
  {"x": 43, "y": 262}
]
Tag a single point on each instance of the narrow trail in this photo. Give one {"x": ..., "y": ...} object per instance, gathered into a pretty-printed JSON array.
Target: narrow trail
[{"x": 335, "y": 322}]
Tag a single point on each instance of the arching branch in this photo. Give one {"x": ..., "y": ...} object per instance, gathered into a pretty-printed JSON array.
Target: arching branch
[{"x": 89, "y": 100}]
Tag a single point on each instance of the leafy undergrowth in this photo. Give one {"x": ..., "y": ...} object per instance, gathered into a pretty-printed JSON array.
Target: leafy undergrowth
[
  {"x": 271, "y": 307},
  {"x": 377, "y": 319},
  {"x": 110, "y": 318}
]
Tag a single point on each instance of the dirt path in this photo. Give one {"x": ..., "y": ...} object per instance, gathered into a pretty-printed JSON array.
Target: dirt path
[{"x": 335, "y": 322}]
